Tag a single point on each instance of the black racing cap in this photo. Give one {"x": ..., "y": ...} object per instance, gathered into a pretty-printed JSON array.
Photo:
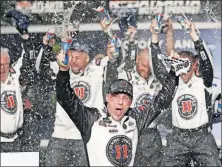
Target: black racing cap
[{"x": 121, "y": 86}]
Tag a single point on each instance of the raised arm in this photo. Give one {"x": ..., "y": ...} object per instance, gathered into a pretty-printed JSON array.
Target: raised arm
[
  {"x": 45, "y": 71},
  {"x": 158, "y": 68},
  {"x": 110, "y": 70},
  {"x": 82, "y": 116},
  {"x": 163, "y": 99},
  {"x": 130, "y": 48},
  {"x": 28, "y": 70},
  {"x": 169, "y": 37},
  {"x": 204, "y": 56}
]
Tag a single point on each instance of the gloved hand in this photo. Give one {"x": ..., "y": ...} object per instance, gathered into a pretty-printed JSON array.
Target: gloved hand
[{"x": 21, "y": 21}]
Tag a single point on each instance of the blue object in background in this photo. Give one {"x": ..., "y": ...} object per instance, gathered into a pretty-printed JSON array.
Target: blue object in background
[
  {"x": 65, "y": 46},
  {"x": 20, "y": 20}
]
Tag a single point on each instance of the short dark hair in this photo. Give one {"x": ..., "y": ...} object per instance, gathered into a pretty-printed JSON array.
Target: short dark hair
[{"x": 188, "y": 54}]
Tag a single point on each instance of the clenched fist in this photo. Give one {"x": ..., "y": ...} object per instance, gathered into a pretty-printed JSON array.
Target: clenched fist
[{"x": 61, "y": 58}]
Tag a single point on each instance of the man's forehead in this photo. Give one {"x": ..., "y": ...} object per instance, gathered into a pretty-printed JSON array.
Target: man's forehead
[
  {"x": 120, "y": 93},
  {"x": 4, "y": 57},
  {"x": 189, "y": 57},
  {"x": 77, "y": 53},
  {"x": 144, "y": 51},
  {"x": 144, "y": 60},
  {"x": 144, "y": 55}
]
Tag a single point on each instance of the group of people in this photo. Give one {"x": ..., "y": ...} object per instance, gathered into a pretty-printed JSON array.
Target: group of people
[{"x": 106, "y": 111}]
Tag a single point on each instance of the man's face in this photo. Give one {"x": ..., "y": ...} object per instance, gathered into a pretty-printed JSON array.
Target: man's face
[
  {"x": 4, "y": 67},
  {"x": 142, "y": 64},
  {"x": 79, "y": 61},
  {"x": 186, "y": 77},
  {"x": 118, "y": 104}
]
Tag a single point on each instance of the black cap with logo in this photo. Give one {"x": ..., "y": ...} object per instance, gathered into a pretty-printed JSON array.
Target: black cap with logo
[{"x": 121, "y": 86}]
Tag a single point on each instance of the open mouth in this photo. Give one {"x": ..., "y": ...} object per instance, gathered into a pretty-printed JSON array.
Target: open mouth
[
  {"x": 119, "y": 111},
  {"x": 75, "y": 68}
]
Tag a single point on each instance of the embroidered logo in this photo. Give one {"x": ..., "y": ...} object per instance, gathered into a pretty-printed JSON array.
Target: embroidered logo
[
  {"x": 187, "y": 106},
  {"x": 82, "y": 90},
  {"x": 9, "y": 102},
  {"x": 119, "y": 150}
]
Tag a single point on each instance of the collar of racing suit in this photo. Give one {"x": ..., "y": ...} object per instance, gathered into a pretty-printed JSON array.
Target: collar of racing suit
[
  {"x": 8, "y": 81},
  {"x": 189, "y": 83}
]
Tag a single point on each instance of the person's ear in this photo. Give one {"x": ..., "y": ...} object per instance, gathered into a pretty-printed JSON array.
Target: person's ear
[
  {"x": 130, "y": 103},
  {"x": 137, "y": 59},
  {"x": 107, "y": 97},
  {"x": 87, "y": 59},
  {"x": 195, "y": 64},
  {"x": 12, "y": 70}
]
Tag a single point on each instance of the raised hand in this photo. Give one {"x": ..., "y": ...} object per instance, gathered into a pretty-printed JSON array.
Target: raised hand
[
  {"x": 154, "y": 23},
  {"x": 60, "y": 58},
  {"x": 168, "y": 26},
  {"x": 193, "y": 33},
  {"x": 104, "y": 25},
  {"x": 48, "y": 41},
  {"x": 155, "y": 36},
  {"x": 21, "y": 21}
]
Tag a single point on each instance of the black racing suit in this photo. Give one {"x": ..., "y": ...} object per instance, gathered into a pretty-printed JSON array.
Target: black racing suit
[
  {"x": 85, "y": 117},
  {"x": 149, "y": 147},
  {"x": 38, "y": 121},
  {"x": 196, "y": 143}
]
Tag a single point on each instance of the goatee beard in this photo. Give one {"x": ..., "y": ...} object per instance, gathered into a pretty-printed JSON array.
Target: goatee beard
[{"x": 77, "y": 72}]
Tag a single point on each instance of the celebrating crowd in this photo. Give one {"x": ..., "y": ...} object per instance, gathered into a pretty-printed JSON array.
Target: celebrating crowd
[{"x": 105, "y": 110}]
